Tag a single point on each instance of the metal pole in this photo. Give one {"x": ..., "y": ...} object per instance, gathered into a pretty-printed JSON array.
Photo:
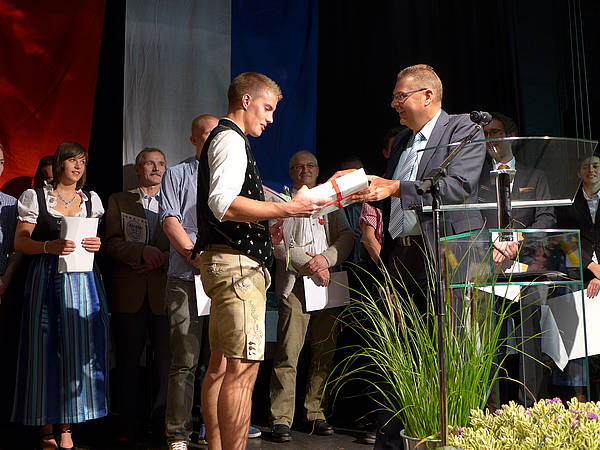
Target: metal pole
[{"x": 441, "y": 316}]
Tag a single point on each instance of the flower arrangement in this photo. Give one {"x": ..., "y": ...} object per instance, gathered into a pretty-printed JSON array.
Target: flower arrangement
[{"x": 548, "y": 424}]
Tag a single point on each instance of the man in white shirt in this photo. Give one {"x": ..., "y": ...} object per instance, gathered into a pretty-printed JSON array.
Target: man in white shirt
[
  {"x": 236, "y": 244},
  {"x": 316, "y": 246}
]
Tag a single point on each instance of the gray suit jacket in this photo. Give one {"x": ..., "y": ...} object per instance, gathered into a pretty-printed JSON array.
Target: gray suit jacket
[
  {"x": 528, "y": 184},
  {"x": 340, "y": 239},
  {"x": 460, "y": 186}
]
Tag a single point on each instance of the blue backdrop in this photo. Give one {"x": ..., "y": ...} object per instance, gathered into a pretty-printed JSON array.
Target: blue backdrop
[{"x": 281, "y": 41}]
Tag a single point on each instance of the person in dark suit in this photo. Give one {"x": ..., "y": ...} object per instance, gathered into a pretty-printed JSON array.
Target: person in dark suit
[
  {"x": 528, "y": 183},
  {"x": 583, "y": 215},
  {"x": 408, "y": 231},
  {"x": 140, "y": 249},
  {"x": 417, "y": 97}
]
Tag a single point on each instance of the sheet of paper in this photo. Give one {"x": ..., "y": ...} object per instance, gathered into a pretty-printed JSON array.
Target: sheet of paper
[
  {"x": 348, "y": 185},
  {"x": 567, "y": 311},
  {"x": 321, "y": 297},
  {"x": 509, "y": 291},
  {"x": 75, "y": 229},
  {"x": 202, "y": 300}
]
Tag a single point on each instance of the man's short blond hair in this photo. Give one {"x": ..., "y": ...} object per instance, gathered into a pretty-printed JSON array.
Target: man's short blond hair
[
  {"x": 253, "y": 83},
  {"x": 425, "y": 77}
]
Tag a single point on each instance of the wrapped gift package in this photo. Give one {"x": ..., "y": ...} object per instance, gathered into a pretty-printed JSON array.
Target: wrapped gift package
[{"x": 340, "y": 191}]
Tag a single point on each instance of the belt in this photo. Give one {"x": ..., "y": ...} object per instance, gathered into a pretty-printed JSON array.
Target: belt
[{"x": 407, "y": 241}]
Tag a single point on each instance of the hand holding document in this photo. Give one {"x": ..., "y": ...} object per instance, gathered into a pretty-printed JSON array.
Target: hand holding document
[
  {"x": 340, "y": 190},
  {"x": 77, "y": 229}
]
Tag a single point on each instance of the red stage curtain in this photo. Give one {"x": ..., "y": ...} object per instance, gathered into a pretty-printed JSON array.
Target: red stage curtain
[{"x": 49, "y": 54}]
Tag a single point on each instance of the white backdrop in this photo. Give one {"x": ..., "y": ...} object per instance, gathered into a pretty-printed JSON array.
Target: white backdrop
[{"x": 177, "y": 66}]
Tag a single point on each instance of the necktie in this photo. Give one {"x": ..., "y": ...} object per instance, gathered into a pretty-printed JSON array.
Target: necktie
[
  {"x": 396, "y": 226},
  {"x": 503, "y": 166}
]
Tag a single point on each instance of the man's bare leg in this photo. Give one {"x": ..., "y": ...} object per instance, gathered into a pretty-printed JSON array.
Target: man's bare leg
[
  {"x": 211, "y": 386},
  {"x": 235, "y": 402}
]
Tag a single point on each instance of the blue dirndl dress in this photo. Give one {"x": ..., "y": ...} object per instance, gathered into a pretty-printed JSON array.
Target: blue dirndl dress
[{"x": 62, "y": 371}]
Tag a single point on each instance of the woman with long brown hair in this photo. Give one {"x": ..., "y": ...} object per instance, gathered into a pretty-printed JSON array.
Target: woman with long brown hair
[{"x": 62, "y": 373}]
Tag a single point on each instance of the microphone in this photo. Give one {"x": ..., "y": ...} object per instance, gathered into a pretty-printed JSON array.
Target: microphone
[{"x": 481, "y": 117}]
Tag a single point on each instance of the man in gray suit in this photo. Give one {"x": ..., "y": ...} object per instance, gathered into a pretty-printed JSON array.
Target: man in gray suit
[
  {"x": 408, "y": 232},
  {"x": 528, "y": 183}
]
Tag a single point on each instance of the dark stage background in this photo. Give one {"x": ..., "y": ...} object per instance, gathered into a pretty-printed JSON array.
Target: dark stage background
[{"x": 526, "y": 59}]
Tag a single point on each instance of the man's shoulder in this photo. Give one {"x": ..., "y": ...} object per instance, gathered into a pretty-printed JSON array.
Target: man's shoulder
[
  {"x": 128, "y": 195},
  {"x": 186, "y": 166},
  {"x": 7, "y": 200},
  {"x": 227, "y": 136}
]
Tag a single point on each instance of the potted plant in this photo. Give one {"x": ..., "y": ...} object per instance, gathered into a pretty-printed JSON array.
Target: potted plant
[{"x": 398, "y": 358}]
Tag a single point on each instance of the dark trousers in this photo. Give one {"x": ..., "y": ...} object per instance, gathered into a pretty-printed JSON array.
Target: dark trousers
[
  {"x": 406, "y": 265},
  {"x": 130, "y": 331}
]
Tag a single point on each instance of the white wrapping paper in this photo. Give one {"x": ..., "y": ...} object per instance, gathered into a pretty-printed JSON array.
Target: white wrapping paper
[{"x": 349, "y": 184}]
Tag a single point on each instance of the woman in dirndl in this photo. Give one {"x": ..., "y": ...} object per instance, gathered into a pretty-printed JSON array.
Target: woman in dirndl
[{"x": 62, "y": 372}]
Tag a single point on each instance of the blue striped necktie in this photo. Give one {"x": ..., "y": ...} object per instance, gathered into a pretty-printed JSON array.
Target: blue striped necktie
[{"x": 396, "y": 226}]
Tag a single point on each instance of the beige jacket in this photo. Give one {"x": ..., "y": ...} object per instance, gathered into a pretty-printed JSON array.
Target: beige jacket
[
  {"x": 129, "y": 288},
  {"x": 340, "y": 240}
]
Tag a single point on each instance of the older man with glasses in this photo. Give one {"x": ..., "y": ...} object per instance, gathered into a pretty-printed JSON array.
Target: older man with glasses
[{"x": 316, "y": 247}]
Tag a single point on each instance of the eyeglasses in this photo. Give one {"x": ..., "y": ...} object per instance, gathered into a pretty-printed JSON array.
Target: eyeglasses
[
  {"x": 401, "y": 97},
  {"x": 494, "y": 132},
  {"x": 299, "y": 167}
]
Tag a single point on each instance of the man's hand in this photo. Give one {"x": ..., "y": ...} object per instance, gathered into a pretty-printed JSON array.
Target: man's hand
[
  {"x": 504, "y": 250},
  {"x": 593, "y": 288},
  {"x": 341, "y": 173},
  {"x": 318, "y": 263},
  {"x": 304, "y": 205},
  {"x": 194, "y": 262},
  {"x": 152, "y": 257},
  {"x": 277, "y": 232},
  {"x": 379, "y": 188},
  {"x": 321, "y": 278}
]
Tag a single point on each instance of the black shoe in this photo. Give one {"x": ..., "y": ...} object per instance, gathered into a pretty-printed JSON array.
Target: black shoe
[
  {"x": 320, "y": 427},
  {"x": 281, "y": 433},
  {"x": 367, "y": 437}
]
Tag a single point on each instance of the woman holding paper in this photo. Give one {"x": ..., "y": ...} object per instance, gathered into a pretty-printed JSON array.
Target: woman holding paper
[{"x": 63, "y": 353}]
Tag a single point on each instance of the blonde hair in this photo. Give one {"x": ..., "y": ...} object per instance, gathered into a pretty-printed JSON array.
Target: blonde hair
[
  {"x": 253, "y": 83},
  {"x": 425, "y": 77}
]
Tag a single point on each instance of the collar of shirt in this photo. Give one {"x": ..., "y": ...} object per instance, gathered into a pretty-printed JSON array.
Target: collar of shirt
[
  {"x": 146, "y": 196},
  {"x": 594, "y": 196},
  {"x": 511, "y": 164},
  {"x": 428, "y": 127}
]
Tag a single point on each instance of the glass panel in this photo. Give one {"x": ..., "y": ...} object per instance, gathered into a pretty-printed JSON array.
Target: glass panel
[
  {"x": 540, "y": 281},
  {"x": 545, "y": 171}
]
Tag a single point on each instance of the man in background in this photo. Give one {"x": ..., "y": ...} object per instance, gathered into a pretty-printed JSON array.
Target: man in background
[
  {"x": 139, "y": 247},
  {"x": 317, "y": 245}
]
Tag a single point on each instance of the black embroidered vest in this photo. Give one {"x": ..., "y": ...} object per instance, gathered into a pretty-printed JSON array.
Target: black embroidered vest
[
  {"x": 252, "y": 239},
  {"x": 47, "y": 227}
]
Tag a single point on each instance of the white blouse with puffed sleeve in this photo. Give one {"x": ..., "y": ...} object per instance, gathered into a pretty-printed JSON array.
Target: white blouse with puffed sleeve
[{"x": 29, "y": 209}]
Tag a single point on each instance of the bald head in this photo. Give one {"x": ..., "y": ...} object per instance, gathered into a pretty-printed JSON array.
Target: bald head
[{"x": 201, "y": 128}]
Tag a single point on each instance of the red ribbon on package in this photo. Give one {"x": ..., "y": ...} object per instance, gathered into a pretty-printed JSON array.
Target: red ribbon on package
[{"x": 338, "y": 193}]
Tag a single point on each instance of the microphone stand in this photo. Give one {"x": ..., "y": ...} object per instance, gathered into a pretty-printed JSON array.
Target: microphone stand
[{"x": 430, "y": 184}]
